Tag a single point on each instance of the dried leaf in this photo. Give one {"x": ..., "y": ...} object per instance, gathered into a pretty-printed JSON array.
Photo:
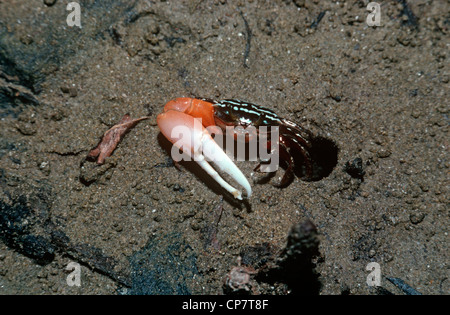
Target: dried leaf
[{"x": 112, "y": 137}]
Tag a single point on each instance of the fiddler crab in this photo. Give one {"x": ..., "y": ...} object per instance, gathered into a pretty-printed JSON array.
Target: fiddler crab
[{"x": 191, "y": 123}]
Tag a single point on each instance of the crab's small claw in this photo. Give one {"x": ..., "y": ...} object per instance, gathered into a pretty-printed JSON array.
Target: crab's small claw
[{"x": 188, "y": 134}]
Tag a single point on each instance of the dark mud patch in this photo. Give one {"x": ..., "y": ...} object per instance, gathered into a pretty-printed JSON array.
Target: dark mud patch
[
  {"x": 166, "y": 265},
  {"x": 23, "y": 217}
]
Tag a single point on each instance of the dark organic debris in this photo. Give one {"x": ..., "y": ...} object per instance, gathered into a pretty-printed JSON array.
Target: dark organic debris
[
  {"x": 355, "y": 168},
  {"x": 319, "y": 18},
  {"x": 169, "y": 163},
  {"x": 116, "y": 35},
  {"x": 92, "y": 257},
  {"x": 26, "y": 226},
  {"x": 34, "y": 246},
  {"x": 112, "y": 137},
  {"x": 133, "y": 14},
  {"x": 411, "y": 18},
  {"x": 399, "y": 283},
  {"x": 248, "y": 38},
  {"x": 17, "y": 92},
  {"x": 362, "y": 248},
  {"x": 20, "y": 219},
  {"x": 171, "y": 41},
  {"x": 257, "y": 256},
  {"x": 17, "y": 73},
  {"x": 12, "y": 95}
]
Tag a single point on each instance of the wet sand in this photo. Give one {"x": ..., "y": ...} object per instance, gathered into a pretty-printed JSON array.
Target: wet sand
[{"x": 139, "y": 225}]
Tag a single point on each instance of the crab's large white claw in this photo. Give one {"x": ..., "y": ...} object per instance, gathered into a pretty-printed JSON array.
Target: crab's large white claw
[{"x": 188, "y": 134}]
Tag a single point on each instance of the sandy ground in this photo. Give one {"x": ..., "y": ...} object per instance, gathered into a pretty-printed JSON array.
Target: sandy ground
[{"x": 139, "y": 225}]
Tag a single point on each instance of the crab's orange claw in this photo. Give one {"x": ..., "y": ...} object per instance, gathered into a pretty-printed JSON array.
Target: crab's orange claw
[
  {"x": 187, "y": 133},
  {"x": 193, "y": 107}
]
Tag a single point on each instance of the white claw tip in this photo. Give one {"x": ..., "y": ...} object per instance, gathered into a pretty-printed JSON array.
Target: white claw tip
[{"x": 237, "y": 194}]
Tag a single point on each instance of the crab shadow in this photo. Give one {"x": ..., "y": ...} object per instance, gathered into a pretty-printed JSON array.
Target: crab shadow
[
  {"x": 203, "y": 177},
  {"x": 324, "y": 155}
]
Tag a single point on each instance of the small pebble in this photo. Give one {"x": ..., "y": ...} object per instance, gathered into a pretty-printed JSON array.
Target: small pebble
[
  {"x": 26, "y": 39},
  {"x": 383, "y": 153}
]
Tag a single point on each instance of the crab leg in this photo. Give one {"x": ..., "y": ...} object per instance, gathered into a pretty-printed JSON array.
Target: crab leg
[{"x": 188, "y": 134}]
